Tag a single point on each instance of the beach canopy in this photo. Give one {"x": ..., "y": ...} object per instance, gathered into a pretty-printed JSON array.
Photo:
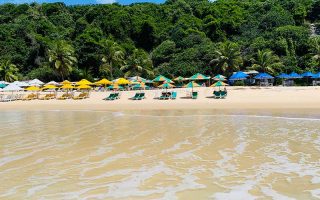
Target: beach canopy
[
  {"x": 199, "y": 76},
  {"x": 67, "y": 86},
  {"x": 65, "y": 82},
  {"x": 307, "y": 74},
  {"x": 219, "y": 84},
  {"x": 219, "y": 78},
  {"x": 35, "y": 82},
  {"x": 83, "y": 82},
  {"x": 179, "y": 78},
  {"x": 12, "y": 87},
  {"x": 162, "y": 78},
  {"x": 294, "y": 75},
  {"x": 238, "y": 76},
  {"x": 48, "y": 87},
  {"x": 33, "y": 88},
  {"x": 262, "y": 76},
  {"x": 21, "y": 83},
  {"x": 122, "y": 81},
  {"x": 52, "y": 83},
  {"x": 284, "y": 76},
  {"x": 103, "y": 82},
  {"x": 83, "y": 87},
  {"x": 166, "y": 86}
]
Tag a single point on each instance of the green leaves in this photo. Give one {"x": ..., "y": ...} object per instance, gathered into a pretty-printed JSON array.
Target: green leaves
[{"x": 8, "y": 71}]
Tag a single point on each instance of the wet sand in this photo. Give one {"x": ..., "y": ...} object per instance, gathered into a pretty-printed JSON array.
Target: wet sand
[{"x": 239, "y": 98}]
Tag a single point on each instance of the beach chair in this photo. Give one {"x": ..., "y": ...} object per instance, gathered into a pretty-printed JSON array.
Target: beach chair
[
  {"x": 135, "y": 97},
  {"x": 6, "y": 98},
  {"x": 216, "y": 94},
  {"x": 110, "y": 97},
  {"x": 80, "y": 96},
  {"x": 28, "y": 97},
  {"x": 64, "y": 96},
  {"x": 194, "y": 95},
  {"x": 223, "y": 94},
  {"x": 117, "y": 96},
  {"x": 45, "y": 97},
  {"x": 173, "y": 95},
  {"x": 141, "y": 96},
  {"x": 165, "y": 96}
]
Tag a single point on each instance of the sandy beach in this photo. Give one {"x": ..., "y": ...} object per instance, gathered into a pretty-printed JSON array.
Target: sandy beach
[{"x": 239, "y": 98}]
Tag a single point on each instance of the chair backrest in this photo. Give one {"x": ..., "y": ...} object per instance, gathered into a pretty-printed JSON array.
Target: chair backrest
[{"x": 173, "y": 94}]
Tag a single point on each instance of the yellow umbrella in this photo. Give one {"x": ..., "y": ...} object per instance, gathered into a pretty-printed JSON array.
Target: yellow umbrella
[
  {"x": 83, "y": 87},
  {"x": 32, "y": 88},
  {"x": 49, "y": 87},
  {"x": 67, "y": 86},
  {"x": 122, "y": 81},
  {"x": 65, "y": 82},
  {"x": 103, "y": 82},
  {"x": 83, "y": 82}
]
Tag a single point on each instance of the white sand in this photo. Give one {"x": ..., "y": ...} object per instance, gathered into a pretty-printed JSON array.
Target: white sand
[{"x": 238, "y": 98}]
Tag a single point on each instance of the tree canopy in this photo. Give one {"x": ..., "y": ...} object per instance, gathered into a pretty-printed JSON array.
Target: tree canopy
[{"x": 178, "y": 37}]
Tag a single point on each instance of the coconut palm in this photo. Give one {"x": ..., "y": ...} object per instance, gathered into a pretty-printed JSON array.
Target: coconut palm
[
  {"x": 266, "y": 61},
  {"x": 8, "y": 71},
  {"x": 138, "y": 63},
  {"x": 227, "y": 58},
  {"x": 112, "y": 57},
  {"x": 62, "y": 57}
]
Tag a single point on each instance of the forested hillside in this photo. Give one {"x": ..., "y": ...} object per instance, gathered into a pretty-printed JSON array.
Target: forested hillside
[{"x": 179, "y": 37}]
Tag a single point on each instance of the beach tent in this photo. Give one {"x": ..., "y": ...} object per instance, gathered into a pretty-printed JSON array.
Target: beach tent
[
  {"x": 84, "y": 82},
  {"x": 162, "y": 78},
  {"x": 294, "y": 75},
  {"x": 21, "y": 84},
  {"x": 192, "y": 85},
  {"x": 238, "y": 76},
  {"x": 219, "y": 78},
  {"x": 52, "y": 83},
  {"x": 12, "y": 87},
  {"x": 35, "y": 82}
]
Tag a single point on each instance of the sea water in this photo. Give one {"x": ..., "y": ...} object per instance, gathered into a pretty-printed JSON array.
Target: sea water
[{"x": 158, "y": 155}]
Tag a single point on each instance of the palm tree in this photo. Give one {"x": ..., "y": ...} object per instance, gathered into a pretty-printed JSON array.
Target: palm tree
[
  {"x": 266, "y": 61},
  {"x": 112, "y": 57},
  {"x": 227, "y": 58},
  {"x": 138, "y": 63},
  {"x": 8, "y": 71},
  {"x": 62, "y": 57},
  {"x": 315, "y": 50}
]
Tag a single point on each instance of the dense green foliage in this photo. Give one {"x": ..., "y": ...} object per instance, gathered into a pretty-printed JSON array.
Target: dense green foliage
[{"x": 179, "y": 37}]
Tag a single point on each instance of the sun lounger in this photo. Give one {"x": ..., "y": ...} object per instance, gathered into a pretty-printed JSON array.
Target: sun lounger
[
  {"x": 46, "y": 97},
  {"x": 7, "y": 98},
  {"x": 194, "y": 95},
  {"x": 29, "y": 97},
  {"x": 64, "y": 96},
  {"x": 173, "y": 95},
  {"x": 219, "y": 94},
  {"x": 80, "y": 96},
  {"x": 141, "y": 96},
  {"x": 112, "y": 96},
  {"x": 135, "y": 96},
  {"x": 165, "y": 96}
]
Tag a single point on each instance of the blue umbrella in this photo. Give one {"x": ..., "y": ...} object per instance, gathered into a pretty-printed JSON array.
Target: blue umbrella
[
  {"x": 317, "y": 75},
  {"x": 294, "y": 75},
  {"x": 238, "y": 76},
  {"x": 263, "y": 76},
  {"x": 284, "y": 76},
  {"x": 307, "y": 74}
]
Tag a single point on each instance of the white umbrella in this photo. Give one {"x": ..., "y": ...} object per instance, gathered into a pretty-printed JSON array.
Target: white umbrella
[
  {"x": 12, "y": 87},
  {"x": 4, "y": 82},
  {"x": 21, "y": 84},
  {"x": 52, "y": 83},
  {"x": 36, "y": 82}
]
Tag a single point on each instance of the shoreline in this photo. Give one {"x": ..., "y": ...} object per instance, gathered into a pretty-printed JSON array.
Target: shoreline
[{"x": 239, "y": 98}]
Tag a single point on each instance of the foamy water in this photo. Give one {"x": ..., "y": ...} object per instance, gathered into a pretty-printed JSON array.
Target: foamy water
[{"x": 159, "y": 155}]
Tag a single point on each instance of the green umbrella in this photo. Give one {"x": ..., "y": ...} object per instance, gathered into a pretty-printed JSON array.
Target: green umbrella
[
  {"x": 199, "y": 76},
  {"x": 219, "y": 78},
  {"x": 166, "y": 86},
  {"x": 179, "y": 78},
  {"x": 192, "y": 84},
  {"x": 219, "y": 84},
  {"x": 162, "y": 78}
]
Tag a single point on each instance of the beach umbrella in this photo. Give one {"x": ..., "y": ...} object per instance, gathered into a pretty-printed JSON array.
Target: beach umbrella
[
  {"x": 115, "y": 87},
  {"x": 65, "y": 82},
  {"x": 12, "y": 87},
  {"x": 294, "y": 75},
  {"x": 67, "y": 86},
  {"x": 52, "y": 83},
  {"x": 122, "y": 81},
  {"x": 166, "y": 86},
  {"x": 283, "y": 76},
  {"x": 219, "y": 78},
  {"x": 219, "y": 84},
  {"x": 179, "y": 78},
  {"x": 35, "y": 82},
  {"x": 162, "y": 78},
  {"x": 137, "y": 79},
  {"x": 238, "y": 76},
  {"x": 84, "y": 82},
  {"x": 262, "y": 76},
  {"x": 21, "y": 84},
  {"x": 103, "y": 82},
  {"x": 33, "y": 88},
  {"x": 317, "y": 75},
  {"x": 83, "y": 87},
  {"x": 2, "y": 85},
  {"x": 307, "y": 74},
  {"x": 191, "y": 85},
  {"x": 199, "y": 76},
  {"x": 47, "y": 87},
  {"x": 4, "y": 82}
]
